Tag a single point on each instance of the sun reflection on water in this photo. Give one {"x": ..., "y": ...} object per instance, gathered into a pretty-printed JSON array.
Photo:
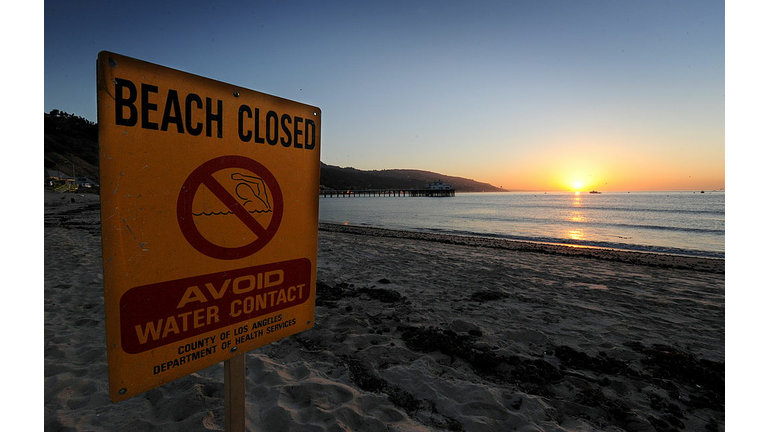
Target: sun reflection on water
[
  {"x": 576, "y": 234},
  {"x": 577, "y": 199},
  {"x": 578, "y": 217}
]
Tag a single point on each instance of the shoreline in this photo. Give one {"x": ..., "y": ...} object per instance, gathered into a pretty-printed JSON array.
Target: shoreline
[{"x": 713, "y": 265}]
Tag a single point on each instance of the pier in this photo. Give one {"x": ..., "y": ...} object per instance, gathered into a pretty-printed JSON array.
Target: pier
[{"x": 387, "y": 193}]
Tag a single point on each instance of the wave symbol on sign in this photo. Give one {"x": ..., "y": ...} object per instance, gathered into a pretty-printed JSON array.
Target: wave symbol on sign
[{"x": 252, "y": 193}]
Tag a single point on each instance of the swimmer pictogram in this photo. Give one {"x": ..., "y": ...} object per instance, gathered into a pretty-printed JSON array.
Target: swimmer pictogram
[
  {"x": 240, "y": 187},
  {"x": 252, "y": 193}
]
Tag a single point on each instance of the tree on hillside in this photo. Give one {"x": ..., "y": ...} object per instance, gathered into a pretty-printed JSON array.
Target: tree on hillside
[
  {"x": 70, "y": 124},
  {"x": 71, "y": 144}
]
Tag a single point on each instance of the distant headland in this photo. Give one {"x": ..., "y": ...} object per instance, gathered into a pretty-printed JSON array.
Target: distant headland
[{"x": 72, "y": 147}]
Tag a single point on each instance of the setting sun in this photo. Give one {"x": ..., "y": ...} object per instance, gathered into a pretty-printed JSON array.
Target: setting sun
[{"x": 578, "y": 185}]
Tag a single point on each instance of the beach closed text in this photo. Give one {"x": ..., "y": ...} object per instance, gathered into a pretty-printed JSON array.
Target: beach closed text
[{"x": 152, "y": 107}]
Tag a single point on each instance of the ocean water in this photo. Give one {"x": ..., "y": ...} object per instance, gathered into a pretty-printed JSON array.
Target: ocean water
[{"x": 684, "y": 223}]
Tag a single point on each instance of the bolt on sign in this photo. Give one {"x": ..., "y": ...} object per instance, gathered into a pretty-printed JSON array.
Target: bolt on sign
[{"x": 209, "y": 208}]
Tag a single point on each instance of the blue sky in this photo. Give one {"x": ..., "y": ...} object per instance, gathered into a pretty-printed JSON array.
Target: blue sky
[{"x": 522, "y": 94}]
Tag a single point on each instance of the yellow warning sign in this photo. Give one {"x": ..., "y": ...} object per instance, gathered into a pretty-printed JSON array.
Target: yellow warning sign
[{"x": 209, "y": 196}]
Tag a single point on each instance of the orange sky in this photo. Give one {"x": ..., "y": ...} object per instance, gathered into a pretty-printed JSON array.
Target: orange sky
[
  {"x": 607, "y": 173},
  {"x": 605, "y": 162}
]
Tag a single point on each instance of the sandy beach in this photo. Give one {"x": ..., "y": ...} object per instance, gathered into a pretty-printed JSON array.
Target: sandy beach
[{"x": 418, "y": 332}]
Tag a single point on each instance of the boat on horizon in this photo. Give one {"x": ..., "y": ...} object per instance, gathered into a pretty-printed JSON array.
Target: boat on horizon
[{"x": 594, "y": 192}]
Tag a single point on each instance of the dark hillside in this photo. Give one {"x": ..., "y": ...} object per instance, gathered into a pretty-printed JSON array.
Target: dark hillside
[
  {"x": 71, "y": 142},
  {"x": 333, "y": 177}
]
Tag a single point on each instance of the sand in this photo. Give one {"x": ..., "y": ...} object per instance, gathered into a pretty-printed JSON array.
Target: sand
[{"x": 417, "y": 332}]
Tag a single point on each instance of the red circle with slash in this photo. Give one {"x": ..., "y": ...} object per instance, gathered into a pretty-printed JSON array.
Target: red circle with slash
[{"x": 203, "y": 175}]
